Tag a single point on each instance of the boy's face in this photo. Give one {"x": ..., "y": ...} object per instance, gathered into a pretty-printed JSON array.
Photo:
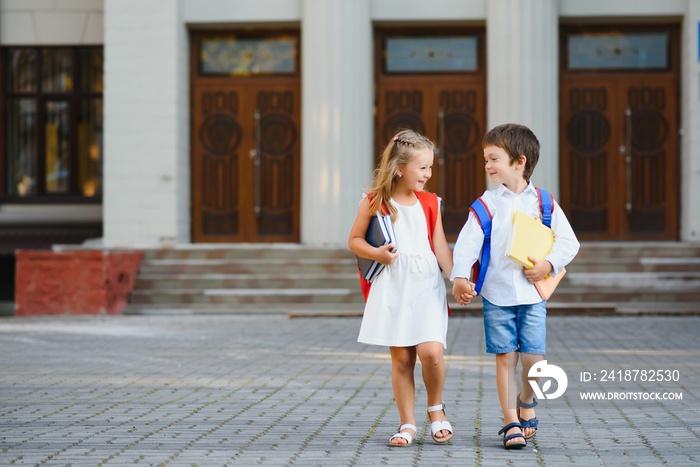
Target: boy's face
[{"x": 501, "y": 169}]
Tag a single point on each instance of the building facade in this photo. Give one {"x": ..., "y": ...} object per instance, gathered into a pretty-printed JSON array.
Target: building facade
[{"x": 202, "y": 121}]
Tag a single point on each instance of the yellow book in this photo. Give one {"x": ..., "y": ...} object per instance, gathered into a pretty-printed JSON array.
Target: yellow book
[{"x": 530, "y": 237}]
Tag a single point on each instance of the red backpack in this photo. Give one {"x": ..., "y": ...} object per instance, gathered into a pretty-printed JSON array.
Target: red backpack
[{"x": 429, "y": 203}]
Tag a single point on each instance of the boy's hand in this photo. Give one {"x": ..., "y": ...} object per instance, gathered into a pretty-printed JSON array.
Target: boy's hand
[
  {"x": 539, "y": 271},
  {"x": 463, "y": 291},
  {"x": 386, "y": 254}
]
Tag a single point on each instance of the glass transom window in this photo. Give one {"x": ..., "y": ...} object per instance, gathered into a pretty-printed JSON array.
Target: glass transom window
[
  {"x": 431, "y": 54},
  {"x": 635, "y": 51},
  {"x": 231, "y": 55}
]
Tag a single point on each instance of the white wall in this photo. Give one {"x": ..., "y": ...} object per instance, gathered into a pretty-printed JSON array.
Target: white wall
[
  {"x": 146, "y": 125},
  {"x": 240, "y": 11},
  {"x": 622, "y": 8},
  {"x": 690, "y": 122},
  {"x": 337, "y": 123},
  {"x": 433, "y": 10},
  {"x": 49, "y": 22},
  {"x": 523, "y": 76}
]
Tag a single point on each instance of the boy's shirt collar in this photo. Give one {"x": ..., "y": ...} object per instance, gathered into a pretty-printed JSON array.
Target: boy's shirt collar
[{"x": 502, "y": 189}]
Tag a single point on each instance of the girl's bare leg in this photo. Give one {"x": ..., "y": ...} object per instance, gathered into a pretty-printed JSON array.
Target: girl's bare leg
[
  {"x": 433, "y": 363},
  {"x": 403, "y": 363}
]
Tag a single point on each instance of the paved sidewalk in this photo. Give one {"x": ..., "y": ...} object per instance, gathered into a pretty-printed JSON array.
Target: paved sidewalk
[{"x": 266, "y": 390}]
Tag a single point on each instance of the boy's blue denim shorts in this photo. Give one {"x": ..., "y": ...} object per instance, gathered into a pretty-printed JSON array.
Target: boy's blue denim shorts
[{"x": 520, "y": 328}]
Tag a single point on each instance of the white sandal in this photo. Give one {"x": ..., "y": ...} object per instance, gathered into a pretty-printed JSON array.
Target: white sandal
[
  {"x": 436, "y": 427},
  {"x": 401, "y": 434}
]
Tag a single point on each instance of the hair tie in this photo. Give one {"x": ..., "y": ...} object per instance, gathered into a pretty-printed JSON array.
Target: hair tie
[{"x": 396, "y": 138}]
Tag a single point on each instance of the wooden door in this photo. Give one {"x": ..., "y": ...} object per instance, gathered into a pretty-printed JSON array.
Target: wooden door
[
  {"x": 450, "y": 109},
  {"x": 245, "y": 159},
  {"x": 619, "y": 153}
]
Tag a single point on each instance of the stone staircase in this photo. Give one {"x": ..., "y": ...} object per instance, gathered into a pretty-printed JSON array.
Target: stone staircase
[{"x": 605, "y": 278}]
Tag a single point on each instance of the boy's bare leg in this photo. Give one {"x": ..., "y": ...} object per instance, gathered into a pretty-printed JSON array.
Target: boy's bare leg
[
  {"x": 403, "y": 363},
  {"x": 527, "y": 394},
  {"x": 508, "y": 390},
  {"x": 433, "y": 363}
]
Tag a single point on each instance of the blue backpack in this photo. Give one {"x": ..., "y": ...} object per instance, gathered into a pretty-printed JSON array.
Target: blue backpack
[{"x": 483, "y": 217}]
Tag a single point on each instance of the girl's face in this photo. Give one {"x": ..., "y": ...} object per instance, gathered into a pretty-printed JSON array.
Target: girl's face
[
  {"x": 415, "y": 174},
  {"x": 500, "y": 169}
]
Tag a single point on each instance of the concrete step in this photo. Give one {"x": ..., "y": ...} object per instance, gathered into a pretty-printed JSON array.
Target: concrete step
[
  {"x": 227, "y": 296},
  {"x": 355, "y": 310},
  {"x": 249, "y": 266},
  {"x": 155, "y": 282},
  {"x": 590, "y": 280},
  {"x": 348, "y": 265},
  {"x": 276, "y": 251},
  {"x": 656, "y": 281},
  {"x": 638, "y": 250},
  {"x": 644, "y": 264},
  {"x": 246, "y": 296},
  {"x": 604, "y": 278}
]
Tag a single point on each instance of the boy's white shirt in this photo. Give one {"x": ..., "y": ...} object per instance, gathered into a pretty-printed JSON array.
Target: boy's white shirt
[{"x": 505, "y": 283}]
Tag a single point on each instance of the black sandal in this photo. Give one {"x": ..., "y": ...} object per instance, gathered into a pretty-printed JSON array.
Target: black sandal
[
  {"x": 532, "y": 423},
  {"x": 507, "y": 438}
]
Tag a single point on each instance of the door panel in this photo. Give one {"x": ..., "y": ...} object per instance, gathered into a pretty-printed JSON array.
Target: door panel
[
  {"x": 245, "y": 161},
  {"x": 652, "y": 192},
  {"x": 448, "y": 106},
  {"x": 607, "y": 194},
  {"x": 452, "y": 116},
  {"x": 589, "y": 157},
  {"x": 461, "y": 125},
  {"x": 619, "y": 137}
]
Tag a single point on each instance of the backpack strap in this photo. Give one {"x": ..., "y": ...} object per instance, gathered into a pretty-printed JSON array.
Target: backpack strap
[
  {"x": 429, "y": 203},
  {"x": 546, "y": 206},
  {"x": 483, "y": 217}
]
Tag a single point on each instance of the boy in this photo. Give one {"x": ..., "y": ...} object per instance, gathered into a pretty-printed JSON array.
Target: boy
[{"x": 514, "y": 313}]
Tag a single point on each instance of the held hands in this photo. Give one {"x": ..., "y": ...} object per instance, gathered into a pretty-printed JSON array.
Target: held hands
[
  {"x": 539, "y": 271},
  {"x": 386, "y": 254},
  {"x": 463, "y": 291}
]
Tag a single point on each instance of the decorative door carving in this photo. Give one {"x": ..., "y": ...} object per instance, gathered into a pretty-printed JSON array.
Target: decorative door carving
[
  {"x": 619, "y": 152},
  {"x": 246, "y": 146},
  {"x": 246, "y": 164}
]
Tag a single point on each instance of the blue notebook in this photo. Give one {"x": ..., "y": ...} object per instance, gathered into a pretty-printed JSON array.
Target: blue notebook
[{"x": 380, "y": 232}]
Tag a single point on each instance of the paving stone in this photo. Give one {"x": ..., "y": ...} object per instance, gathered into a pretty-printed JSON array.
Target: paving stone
[{"x": 265, "y": 390}]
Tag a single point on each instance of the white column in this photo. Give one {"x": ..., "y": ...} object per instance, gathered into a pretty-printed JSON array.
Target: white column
[
  {"x": 690, "y": 122},
  {"x": 523, "y": 76},
  {"x": 146, "y": 171},
  {"x": 337, "y": 121}
]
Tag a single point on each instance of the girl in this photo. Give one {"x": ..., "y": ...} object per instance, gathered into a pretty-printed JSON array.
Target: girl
[{"x": 406, "y": 308}]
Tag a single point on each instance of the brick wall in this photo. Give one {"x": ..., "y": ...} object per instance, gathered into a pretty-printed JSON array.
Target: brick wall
[{"x": 74, "y": 282}]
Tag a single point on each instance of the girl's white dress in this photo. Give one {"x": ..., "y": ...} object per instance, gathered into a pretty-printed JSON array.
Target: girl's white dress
[{"x": 407, "y": 304}]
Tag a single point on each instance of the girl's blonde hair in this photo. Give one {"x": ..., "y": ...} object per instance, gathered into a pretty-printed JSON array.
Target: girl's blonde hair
[{"x": 397, "y": 154}]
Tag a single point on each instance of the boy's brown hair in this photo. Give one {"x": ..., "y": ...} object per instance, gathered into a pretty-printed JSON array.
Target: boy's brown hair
[{"x": 516, "y": 140}]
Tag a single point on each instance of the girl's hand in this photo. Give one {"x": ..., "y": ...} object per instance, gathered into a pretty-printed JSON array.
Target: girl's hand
[
  {"x": 463, "y": 291},
  {"x": 387, "y": 254},
  {"x": 539, "y": 271}
]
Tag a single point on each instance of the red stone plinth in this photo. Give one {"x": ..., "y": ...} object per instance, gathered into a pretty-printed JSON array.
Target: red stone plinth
[{"x": 74, "y": 282}]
